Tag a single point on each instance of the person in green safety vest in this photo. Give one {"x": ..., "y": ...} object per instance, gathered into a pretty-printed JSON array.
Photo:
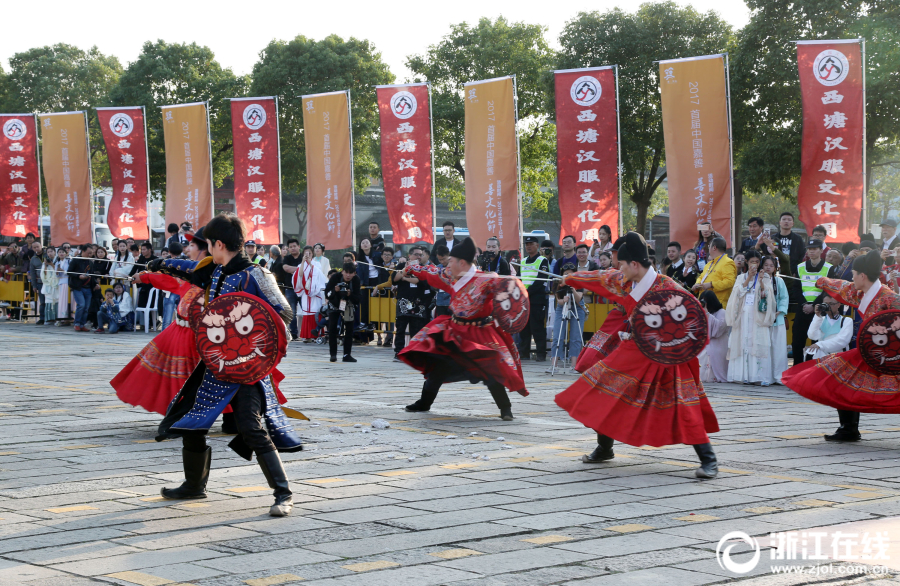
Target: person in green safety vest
[
  {"x": 807, "y": 296},
  {"x": 537, "y": 298},
  {"x": 250, "y": 249}
]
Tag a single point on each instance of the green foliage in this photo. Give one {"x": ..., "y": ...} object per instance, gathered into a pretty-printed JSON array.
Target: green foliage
[
  {"x": 304, "y": 66},
  {"x": 166, "y": 74},
  {"x": 633, "y": 41},
  {"x": 487, "y": 50},
  {"x": 63, "y": 78}
]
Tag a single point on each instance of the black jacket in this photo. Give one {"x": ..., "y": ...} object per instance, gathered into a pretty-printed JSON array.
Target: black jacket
[
  {"x": 79, "y": 265},
  {"x": 414, "y": 299},
  {"x": 499, "y": 265},
  {"x": 441, "y": 242},
  {"x": 334, "y": 298},
  {"x": 377, "y": 245},
  {"x": 797, "y": 247}
]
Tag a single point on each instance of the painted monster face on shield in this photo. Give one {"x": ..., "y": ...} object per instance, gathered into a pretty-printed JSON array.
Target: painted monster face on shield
[
  {"x": 511, "y": 306},
  {"x": 240, "y": 338},
  {"x": 879, "y": 341},
  {"x": 669, "y": 327}
]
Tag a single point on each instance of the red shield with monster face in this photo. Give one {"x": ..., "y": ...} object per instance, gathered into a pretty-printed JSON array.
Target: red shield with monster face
[
  {"x": 511, "y": 306},
  {"x": 879, "y": 341},
  {"x": 240, "y": 338},
  {"x": 669, "y": 327}
]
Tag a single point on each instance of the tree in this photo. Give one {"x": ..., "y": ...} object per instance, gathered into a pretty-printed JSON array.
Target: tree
[
  {"x": 167, "y": 74},
  {"x": 304, "y": 66},
  {"x": 488, "y": 50},
  {"x": 766, "y": 101},
  {"x": 633, "y": 42},
  {"x": 63, "y": 78}
]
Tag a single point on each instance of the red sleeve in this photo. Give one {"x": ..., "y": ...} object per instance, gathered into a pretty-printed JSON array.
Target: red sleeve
[
  {"x": 607, "y": 283},
  {"x": 431, "y": 275},
  {"x": 166, "y": 282},
  {"x": 841, "y": 290}
]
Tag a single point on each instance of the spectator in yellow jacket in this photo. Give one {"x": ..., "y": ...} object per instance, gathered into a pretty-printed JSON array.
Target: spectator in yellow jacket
[{"x": 719, "y": 273}]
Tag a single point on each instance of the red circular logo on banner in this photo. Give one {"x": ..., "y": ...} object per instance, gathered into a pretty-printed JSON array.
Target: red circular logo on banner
[
  {"x": 669, "y": 326},
  {"x": 240, "y": 338},
  {"x": 879, "y": 341},
  {"x": 511, "y": 306}
]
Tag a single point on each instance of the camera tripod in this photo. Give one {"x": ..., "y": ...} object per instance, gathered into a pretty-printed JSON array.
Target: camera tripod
[{"x": 569, "y": 314}]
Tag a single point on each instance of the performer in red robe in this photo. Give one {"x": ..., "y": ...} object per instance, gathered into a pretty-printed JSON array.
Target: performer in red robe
[
  {"x": 606, "y": 339},
  {"x": 466, "y": 346},
  {"x": 844, "y": 380},
  {"x": 628, "y": 397}
]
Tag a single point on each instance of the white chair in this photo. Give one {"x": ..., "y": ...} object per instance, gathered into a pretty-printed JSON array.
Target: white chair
[{"x": 148, "y": 310}]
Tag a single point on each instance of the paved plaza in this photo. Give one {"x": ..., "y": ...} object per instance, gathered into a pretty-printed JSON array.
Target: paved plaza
[{"x": 454, "y": 496}]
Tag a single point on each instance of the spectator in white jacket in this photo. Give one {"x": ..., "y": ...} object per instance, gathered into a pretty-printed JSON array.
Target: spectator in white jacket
[
  {"x": 831, "y": 331},
  {"x": 122, "y": 263}
]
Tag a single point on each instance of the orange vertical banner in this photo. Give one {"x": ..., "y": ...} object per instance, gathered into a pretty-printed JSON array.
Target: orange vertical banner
[
  {"x": 66, "y": 162},
  {"x": 189, "y": 186},
  {"x": 492, "y": 162},
  {"x": 695, "y": 115},
  {"x": 329, "y": 170}
]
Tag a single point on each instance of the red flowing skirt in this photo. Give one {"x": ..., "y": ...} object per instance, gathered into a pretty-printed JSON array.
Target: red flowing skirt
[
  {"x": 483, "y": 353},
  {"x": 845, "y": 381},
  {"x": 603, "y": 342},
  {"x": 153, "y": 377},
  {"x": 640, "y": 402},
  {"x": 307, "y": 325}
]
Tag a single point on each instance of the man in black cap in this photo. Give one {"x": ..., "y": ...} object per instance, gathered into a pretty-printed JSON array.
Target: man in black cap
[
  {"x": 806, "y": 295},
  {"x": 466, "y": 345},
  {"x": 250, "y": 249},
  {"x": 530, "y": 272}
]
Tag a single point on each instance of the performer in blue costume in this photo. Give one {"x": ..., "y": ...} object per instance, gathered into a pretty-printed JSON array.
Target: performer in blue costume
[{"x": 262, "y": 426}]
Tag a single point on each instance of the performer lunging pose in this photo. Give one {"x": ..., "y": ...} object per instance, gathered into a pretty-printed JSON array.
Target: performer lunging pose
[
  {"x": 634, "y": 399},
  {"x": 467, "y": 345},
  {"x": 262, "y": 425},
  {"x": 867, "y": 378}
]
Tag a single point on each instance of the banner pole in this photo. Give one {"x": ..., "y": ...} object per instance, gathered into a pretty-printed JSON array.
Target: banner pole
[
  {"x": 147, "y": 165},
  {"x": 37, "y": 153},
  {"x": 518, "y": 166},
  {"x": 212, "y": 181},
  {"x": 865, "y": 190},
  {"x": 352, "y": 174},
  {"x": 87, "y": 143},
  {"x": 433, "y": 182},
  {"x": 619, "y": 168},
  {"x": 734, "y": 235},
  {"x": 281, "y": 237}
]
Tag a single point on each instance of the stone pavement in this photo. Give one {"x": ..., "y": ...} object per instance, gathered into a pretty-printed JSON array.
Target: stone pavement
[{"x": 454, "y": 496}]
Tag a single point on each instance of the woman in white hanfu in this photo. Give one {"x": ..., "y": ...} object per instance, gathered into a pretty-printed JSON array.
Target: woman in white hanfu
[
  {"x": 750, "y": 313},
  {"x": 309, "y": 285}
]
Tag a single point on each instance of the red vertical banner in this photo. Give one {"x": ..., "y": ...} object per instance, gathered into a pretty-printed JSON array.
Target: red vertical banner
[
  {"x": 20, "y": 187},
  {"x": 257, "y": 177},
  {"x": 329, "y": 170},
  {"x": 124, "y": 134},
  {"x": 587, "y": 152},
  {"x": 831, "y": 180},
  {"x": 405, "y": 113}
]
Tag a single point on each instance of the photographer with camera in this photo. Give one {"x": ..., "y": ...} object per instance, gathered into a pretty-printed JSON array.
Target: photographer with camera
[
  {"x": 832, "y": 332},
  {"x": 570, "y": 313},
  {"x": 342, "y": 293},
  {"x": 491, "y": 259}
]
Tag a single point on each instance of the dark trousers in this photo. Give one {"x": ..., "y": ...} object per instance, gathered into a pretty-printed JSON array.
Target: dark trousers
[
  {"x": 334, "y": 318},
  {"x": 41, "y": 302},
  {"x": 442, "y": 310},
  {"x": 249, "y": 405},
  {"x": 535, "y": 328},
  {"x": 445, "y": 371},
  {"x": 293, "y": 300},
  {"x": 404, "y": 322},
  {"x": 802, "y": 321}
]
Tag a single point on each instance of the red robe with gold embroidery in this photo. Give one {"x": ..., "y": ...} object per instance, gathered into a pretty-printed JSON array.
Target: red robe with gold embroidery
[
  {"x": 480, "y": 350},
  {"x": 844, "y": 380},
  {"x": 630, "y": 398},
  {"x": 606, "y": 339}
]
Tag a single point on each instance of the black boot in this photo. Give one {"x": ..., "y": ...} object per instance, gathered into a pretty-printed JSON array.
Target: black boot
[
  {"x": 602, "y": 453},
  {"x": 196, "y": 474},
  {"x": 849, "y": 429},
  {"x": 229, "y": 426},
  {"x": 429, "y": 394},
  {"x": 501, "y": 398},
  {"x": 709, "y": 466},
  {"x": 273, "y": 469}
]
